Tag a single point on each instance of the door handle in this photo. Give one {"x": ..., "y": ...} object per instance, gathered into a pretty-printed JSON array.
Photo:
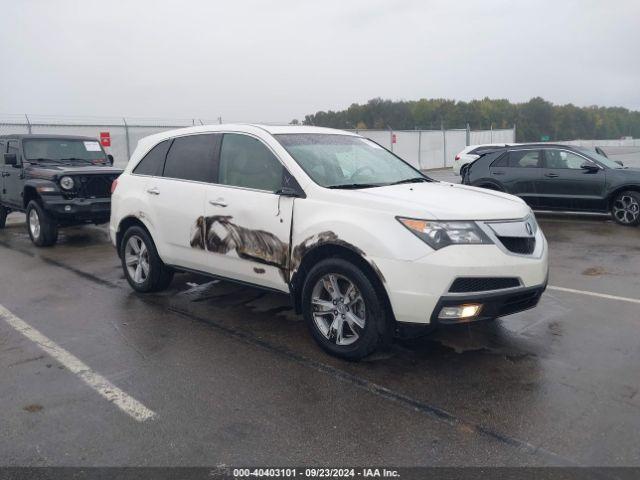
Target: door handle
[
  {"x": 153, "y": 191},
  {"x": 551, "y": 175},
  {"x": 497, "y": 173},
  {"x": 218, "y": 203}
]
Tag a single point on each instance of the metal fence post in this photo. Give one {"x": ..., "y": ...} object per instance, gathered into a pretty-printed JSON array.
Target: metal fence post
[
  {"x": 468, "y": 142},
  {"x": 28, "y": 123},
  {"x": 420, "y": 149},
  {"x": 514, "y": 133},
  {"x": 126, "y": 135},
  {"x": 444, "y": 144},
  {"x": 491, "y": 134}
]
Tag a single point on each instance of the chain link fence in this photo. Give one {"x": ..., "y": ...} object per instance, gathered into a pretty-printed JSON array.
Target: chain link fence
[
  {"x": 424, "y": 149},
  {"x": 431, "y": 149}
]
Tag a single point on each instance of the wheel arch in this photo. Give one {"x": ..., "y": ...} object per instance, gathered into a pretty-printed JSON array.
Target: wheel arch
[
  {"x": 29, "y": 193},
  {"x": 346, "y": 252},
  {"x": 625, "y": 188},
  {"x": 489, "y": 184},
  {"x": 125, "y": 224}
]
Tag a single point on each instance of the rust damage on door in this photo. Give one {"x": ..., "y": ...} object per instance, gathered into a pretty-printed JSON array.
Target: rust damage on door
[{"x": 220, "y": 235}]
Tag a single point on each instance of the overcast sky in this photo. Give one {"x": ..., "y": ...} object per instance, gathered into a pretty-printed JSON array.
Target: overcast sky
[{"x": 252, "y": 60}]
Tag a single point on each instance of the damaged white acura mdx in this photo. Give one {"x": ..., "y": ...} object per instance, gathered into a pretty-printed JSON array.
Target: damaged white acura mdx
[{"x": 366, "y": 245}]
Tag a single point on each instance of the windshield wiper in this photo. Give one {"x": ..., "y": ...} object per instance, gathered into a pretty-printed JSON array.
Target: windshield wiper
[
  {"x": 411, "y": 180},
  {"x": 352, "y": 186},
  {"x": 74, "y": 159}
]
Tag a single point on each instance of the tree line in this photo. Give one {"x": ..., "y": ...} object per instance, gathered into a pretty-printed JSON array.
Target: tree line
[{"x": 535, "y": 120}]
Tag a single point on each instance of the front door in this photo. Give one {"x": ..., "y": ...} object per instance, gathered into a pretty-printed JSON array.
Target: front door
[
  {"x": 12, "y": 177},
  {"x": 565, "y": 185},
  {"x": 247, "y": 225}
]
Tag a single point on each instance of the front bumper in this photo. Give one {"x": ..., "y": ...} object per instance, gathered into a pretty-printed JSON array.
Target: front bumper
[
  {"x": 494, "y": 304},
  {"x": 78, "y": 210},
  {"x": 417, "y": 289}
]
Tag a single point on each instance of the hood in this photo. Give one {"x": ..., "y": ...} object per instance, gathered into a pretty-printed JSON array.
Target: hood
[
  {"x": 51, "y": 170},
  {"x": 440, "y": 201}
]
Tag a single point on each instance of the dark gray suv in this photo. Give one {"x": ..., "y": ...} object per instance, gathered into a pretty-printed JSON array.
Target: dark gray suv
[{"x": 560, "y": 177}]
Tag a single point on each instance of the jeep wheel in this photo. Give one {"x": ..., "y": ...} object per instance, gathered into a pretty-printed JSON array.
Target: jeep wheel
[
  {"x": 42, "y": 229},
  {"x": 343, "y": 311},
  {"x": 625, "y": 208},
  {"x": 142, "y": 266},
  {"x": 3, "y": 216}
]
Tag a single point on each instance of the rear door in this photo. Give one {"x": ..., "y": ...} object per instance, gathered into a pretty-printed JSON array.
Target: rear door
[
  {"x": 518, "y": 171},
  {"x": 176, "y": 199},
  {"x": 247, "y": 225},
  {"x": 565, "y": 185}
]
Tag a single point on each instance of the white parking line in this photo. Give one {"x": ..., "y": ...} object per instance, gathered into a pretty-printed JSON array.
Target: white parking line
[
  {"x": 113, "y": 394},
  {"x": 594, "y": 294}
]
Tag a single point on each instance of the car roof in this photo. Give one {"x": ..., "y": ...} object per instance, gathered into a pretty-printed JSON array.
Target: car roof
[{"x": 26, "y": 136}]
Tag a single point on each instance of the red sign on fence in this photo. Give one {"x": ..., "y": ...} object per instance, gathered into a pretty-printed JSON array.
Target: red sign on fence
[
  {"x": 105, "y": 139},
  {"x": 393, "y": 138}
]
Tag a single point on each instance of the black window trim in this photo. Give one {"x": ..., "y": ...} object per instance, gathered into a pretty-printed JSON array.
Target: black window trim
[
  {"x": 217, "y": 157},
  {"x": 590, "y": 160}
]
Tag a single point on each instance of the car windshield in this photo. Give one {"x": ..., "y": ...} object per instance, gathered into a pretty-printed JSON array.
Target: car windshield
[
  {"x": 63, "y": 150},
  {"x": 345, "y": 161},
  {"x": 600, "y": 158}
]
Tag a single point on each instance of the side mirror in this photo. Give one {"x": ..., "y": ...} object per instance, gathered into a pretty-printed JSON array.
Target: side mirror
[
  {"x": 288, "y": 192},
  {"x": 11, "y": 159},
  {"x": 110, "y": 158},
  {"x": 590, "y": 167},
  {"x": 619, "y": 162}
]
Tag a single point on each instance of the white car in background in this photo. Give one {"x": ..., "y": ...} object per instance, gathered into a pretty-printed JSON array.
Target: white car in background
[
  {"x": 364, "y": 244},
  {"x": 470, "y": 153}
]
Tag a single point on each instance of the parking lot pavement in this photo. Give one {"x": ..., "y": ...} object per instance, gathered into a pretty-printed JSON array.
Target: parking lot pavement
[{"x": 228, "y": 374}]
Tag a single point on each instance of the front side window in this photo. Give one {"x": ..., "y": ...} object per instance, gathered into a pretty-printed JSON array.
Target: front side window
[
  {"x": 192, "y": 158},
  {"x": 607, "y": 162},
  {"x": 344, "y": 160},
  {"x": 62, "y": 150},
  {"x": 246, "y": 162},
  {"x": 524, "y": 159},
  {"x": 153, "y": 162},
  {"x": 564, "y": 159}
]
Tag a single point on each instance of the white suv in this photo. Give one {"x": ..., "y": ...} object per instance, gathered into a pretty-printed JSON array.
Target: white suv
[
  {"x": 470, "y": 153},
  {"x": 366, "y": 245}
]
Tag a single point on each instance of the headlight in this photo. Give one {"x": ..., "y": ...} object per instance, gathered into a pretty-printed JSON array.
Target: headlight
[
  {"x": 441, "y": 234},
  {"x": 66, "y": 183}
]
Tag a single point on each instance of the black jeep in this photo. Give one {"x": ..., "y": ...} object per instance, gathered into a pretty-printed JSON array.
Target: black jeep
[{"x": 57, "y": 180}]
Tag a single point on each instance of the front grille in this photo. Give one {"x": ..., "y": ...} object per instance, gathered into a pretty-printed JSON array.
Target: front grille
[
  {"x": 94, "y": 186},
  {"x": 482, "y": 284},
  {"x": 521, "y": 245}
]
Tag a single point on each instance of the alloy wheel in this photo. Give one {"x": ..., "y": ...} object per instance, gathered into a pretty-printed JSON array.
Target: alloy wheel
[
  {"x": 34, "y": 223},
  {"x": 338, "y": 309},
  {"x": 626, "y": 209},
  {"x": 136, "y": 258}
]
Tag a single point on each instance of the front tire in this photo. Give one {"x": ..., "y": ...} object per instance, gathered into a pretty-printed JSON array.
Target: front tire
[
  {"x": 43, "y": 230},
  {"x": 625, "y": 208},
  {"x": 343, "y": 310},
  {"x": 3, "y": 216},
  {"x": 142, "y": 266}
]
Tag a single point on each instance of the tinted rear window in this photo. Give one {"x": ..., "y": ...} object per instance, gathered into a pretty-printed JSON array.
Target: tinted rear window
[
  {"x": 153, "y": 162},
  {"x": 193, "y": 158}
]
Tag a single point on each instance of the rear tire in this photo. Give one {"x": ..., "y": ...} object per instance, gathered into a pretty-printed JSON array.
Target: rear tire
[
  {"x": 625, "y": 208},
  {"x": 43, "y": 230},
  {"x": 343, "y": 311},
  {"x": 142, "y": 266},
  {"x": 3, "y": 216}
]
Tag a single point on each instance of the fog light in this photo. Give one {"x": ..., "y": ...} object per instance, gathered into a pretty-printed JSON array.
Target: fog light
[
  {"x": 460, "y": 311},
  {"x": 67, "y": 208}
]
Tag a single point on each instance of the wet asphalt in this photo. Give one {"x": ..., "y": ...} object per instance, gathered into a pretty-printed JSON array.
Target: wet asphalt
[{"x": 234, "y": 378}]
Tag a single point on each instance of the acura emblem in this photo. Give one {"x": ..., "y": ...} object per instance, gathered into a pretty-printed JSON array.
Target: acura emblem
[{"x": 529, "y": 228}]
